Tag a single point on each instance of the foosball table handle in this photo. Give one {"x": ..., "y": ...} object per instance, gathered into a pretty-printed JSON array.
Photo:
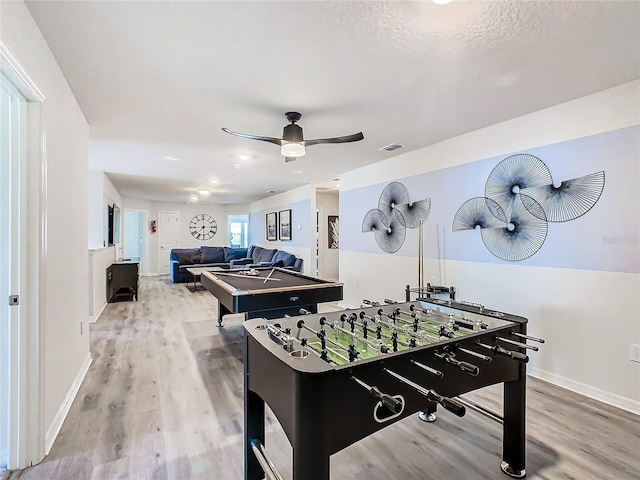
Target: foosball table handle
[
  {"x": 520, "y": 357},
  {"x": 449, "y": 404},
  {"x": 390, "y": 403}
]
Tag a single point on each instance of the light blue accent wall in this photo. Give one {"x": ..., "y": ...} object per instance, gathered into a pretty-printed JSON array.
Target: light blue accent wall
[
  {"x": 300, "y": 216},
  {"x": 606, "y": 238}
]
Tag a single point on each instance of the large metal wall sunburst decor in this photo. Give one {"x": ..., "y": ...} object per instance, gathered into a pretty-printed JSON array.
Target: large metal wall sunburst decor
[
  {"x": 520, "y": 199},
  {"x": 394, "y": 215}
]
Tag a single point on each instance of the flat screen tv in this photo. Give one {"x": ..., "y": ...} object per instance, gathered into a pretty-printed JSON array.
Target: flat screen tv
[{"x": 113, "y": 224}]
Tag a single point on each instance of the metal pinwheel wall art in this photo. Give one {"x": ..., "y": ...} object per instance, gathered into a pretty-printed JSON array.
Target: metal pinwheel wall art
[
  {"x": 394, "y": 215},
  {"x": 519, "y": 202}
]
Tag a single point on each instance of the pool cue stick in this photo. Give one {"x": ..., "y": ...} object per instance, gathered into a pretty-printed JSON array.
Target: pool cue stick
[
  {"x": 252, "y": 277},
  {"x": 420, "y": 261},
  {"x": 269, "y": 276}
]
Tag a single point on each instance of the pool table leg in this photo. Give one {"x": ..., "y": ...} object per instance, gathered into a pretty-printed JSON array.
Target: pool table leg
[{"x": 222, "y": 311}]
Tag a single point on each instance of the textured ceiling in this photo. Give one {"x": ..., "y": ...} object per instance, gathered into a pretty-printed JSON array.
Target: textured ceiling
[{"x": 160, "y": 79}]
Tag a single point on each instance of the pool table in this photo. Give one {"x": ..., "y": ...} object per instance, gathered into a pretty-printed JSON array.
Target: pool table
[{"x": 285, "y": 292}]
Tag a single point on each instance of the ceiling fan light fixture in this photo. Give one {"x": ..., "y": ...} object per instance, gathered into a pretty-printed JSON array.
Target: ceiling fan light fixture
[{"x": 292, "y": 150}]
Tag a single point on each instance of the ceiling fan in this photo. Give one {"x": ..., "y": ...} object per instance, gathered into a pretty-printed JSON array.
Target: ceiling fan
[{"x": 292, "y": 144}]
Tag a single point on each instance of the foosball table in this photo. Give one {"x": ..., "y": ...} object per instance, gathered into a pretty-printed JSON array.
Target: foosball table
[{"x": 373, "y": 366}]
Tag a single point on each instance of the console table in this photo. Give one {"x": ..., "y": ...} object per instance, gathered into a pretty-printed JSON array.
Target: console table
[{"x": 122, "y": 280}]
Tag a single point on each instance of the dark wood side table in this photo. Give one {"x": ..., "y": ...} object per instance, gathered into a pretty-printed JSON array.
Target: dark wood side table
[{"x": 122, "y": 280}]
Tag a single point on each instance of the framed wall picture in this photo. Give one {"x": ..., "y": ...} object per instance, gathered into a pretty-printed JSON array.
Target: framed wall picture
[
  {"x": 285, "y": 224},
  {"x": 272, "y": 226},
  {"x": 333, "y": 233}
]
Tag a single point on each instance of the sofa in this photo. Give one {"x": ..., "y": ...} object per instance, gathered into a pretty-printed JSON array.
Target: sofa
[
  {"x": 268, "y": 257},
  {"x": 182, "y": 258},
  {"x": 228, "y": 257}
]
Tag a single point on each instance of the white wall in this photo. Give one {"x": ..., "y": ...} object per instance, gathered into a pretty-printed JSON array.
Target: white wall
[
  {"x": 65, "y": 269},
  {"x": 328, "y": 204},
  {"x": 587, "y": 317},
  {"x": 187, "y": 211},
  {"x": 97, "y": 214},
  {"x": 302, "y": 229}
]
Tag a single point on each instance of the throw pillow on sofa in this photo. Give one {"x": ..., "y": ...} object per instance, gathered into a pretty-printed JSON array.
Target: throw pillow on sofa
[
  {"x": 279, "y": 263},
  {"x": 263, "y": 255},
  {"x": 185, "y": 257},
  {"x": 234, "y": 253},
  {"x": 212, "y": 254},
  {"x": 287, "y": 259}
]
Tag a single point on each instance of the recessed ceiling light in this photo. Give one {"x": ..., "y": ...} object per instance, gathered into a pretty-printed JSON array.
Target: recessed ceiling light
[
  {"x": 204, "y": 192},
  {"x": 244, "y": 156},
  {"x": 170, "y": 158},
  {"x": 238, "y": 166},
  {"x": 337, "y": 185},
  {"x": 441, "y": 2},
  {"x": 194, "y": 198},
  {"x": 215, "y": 182}
]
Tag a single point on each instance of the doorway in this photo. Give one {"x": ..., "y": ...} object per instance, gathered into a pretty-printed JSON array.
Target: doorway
[
  {"x": 168, "y": 238},
  {"x": 327, "y": 247},
  {"x": 135, "y": 237}
]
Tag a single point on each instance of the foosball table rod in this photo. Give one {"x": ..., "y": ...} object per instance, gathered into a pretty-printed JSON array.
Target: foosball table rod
[
  {"x": 323, "y": 338},
  {"x": 381, "y": 347},
  {"x": 481, "y": 409},
  {"x": 448, "y": 403},
  {"x": 264, "y": 460}
]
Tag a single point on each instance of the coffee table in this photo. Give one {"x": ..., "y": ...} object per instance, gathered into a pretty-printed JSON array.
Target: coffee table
[{"x": 196, "y": 273}]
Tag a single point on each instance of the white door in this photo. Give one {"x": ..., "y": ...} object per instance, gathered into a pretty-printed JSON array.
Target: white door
[
  {"x": 9, "y": 255},
  {"x": 168, "y": 238}
]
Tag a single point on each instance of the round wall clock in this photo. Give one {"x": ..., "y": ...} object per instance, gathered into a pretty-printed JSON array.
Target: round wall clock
[{"x": 203, "y": 226}]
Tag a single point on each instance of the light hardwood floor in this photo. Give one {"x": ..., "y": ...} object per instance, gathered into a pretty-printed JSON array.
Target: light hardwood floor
[{"x": 163, "y": 400}]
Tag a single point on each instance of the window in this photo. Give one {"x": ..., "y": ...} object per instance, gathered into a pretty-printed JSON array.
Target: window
[{"x": 238, "y": 231}]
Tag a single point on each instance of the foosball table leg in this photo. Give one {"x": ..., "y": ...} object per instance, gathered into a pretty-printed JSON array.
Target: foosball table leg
[
  {"x": 310, "y": 464},
  {"x": 428, "y": 414},
  {"x": 253, "y": 430},
  {"x": 514, "y": 435}
]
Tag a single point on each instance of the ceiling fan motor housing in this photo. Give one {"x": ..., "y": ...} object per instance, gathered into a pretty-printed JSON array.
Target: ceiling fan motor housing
[{"x": 292, "y": 133}]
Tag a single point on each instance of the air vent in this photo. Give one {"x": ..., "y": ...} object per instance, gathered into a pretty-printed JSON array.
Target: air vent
[{"x": 391, "y": 147}]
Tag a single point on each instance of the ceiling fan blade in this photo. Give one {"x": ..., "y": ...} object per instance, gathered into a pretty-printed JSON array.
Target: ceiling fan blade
[
  {"x": 289, "y": 159},
  {"x": 347, "y": 138},
  {"x": 277, "y": 141}
]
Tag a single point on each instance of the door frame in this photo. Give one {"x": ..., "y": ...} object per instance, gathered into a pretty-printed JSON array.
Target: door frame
[
  {"x": 26, "y": 403},
  {"x": 144, "y": 259}
]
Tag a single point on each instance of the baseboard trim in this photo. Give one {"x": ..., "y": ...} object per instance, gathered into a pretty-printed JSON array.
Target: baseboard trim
[
  {"x": 58, "y": 420},
  {"x": 96, "y": 317},
  {"x": 625, "y": 403}
]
